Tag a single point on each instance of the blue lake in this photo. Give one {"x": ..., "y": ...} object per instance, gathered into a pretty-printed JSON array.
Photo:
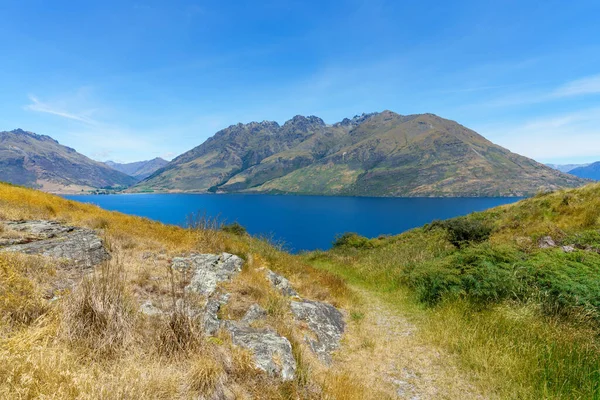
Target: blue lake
[{"x": 301, "y": 222}]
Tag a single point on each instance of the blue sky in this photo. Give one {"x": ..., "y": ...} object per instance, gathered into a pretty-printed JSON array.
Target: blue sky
[{"x": 131, "y": 80}]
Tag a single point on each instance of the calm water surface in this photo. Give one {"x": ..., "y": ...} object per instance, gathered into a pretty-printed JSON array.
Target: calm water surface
[{"x": 301, "y": 222}]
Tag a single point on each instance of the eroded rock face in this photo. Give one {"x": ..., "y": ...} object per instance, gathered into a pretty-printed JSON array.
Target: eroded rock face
[
  {"x": 325, "y": 321},
  {"x": 272, "y": 352},
  {"x": 282, "y": 284},
  {"x": 81, "y": 246},
  {"x": 208, "y": 270}
]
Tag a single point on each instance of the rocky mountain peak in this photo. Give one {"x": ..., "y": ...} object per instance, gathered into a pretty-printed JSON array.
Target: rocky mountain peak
[
  {"x": 22, "y": 132},
  {"x": 302, "y": 123},
  {"x": 356, "y": 120}
]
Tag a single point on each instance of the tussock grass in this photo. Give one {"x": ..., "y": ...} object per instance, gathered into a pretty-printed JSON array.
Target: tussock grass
[
  {"x": 20, "y": 298},
  {"x": 100, "y": 315}
]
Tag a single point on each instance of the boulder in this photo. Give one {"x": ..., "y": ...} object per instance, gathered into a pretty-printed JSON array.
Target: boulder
[
  {"x": 208, "y": 270},
  {"x": 81, "y": 246},
  {"x": 281, "y": 284},
  {"x": 546, "y": 242},
  {"x": 325, "y": 321},
  {"x": 272, "y": 353},
  {"x": 568, "y": 248},
  {"x": 254, "y": 313}
]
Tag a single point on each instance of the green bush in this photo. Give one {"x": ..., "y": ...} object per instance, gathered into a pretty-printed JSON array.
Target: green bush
[
  {"x": 234, "y": 228},
  {"x": 352, "y": 240},
  {"x": 565, "y": 280},
  {"x": 464, "y": 230},
  {"x": 481, "y": 274}
]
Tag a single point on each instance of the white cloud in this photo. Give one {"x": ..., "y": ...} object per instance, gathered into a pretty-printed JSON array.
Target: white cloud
[
  {"x": 39, "y": 106},
  {"x": 568, "y": 136},
  {"x": 583, "y": 86}
]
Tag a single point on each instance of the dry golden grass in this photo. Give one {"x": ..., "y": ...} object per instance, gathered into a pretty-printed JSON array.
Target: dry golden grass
[
  {"x": 90, "y": 342},
  {"x": 99, "y": 315},
  {"x": 20, "y": 297}
]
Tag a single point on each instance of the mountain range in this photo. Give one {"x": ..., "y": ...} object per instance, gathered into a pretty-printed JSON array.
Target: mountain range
[
  {"x": 41, "y": 162},
  {"x": 139, "y": 169},
  {"x": 377, "y": 154},
  {"x": 566, "y": 168},
  {"x": 591, "y": 171}
]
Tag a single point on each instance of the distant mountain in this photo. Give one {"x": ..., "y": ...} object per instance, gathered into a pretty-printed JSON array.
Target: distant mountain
[
  {"x": 591, "y": 171},
  {"x": 566, "y": 167},
  {"x": 378, "y": 154},
  {"x": 140, "y": 169},
  {"x": 41, "y": 162}
]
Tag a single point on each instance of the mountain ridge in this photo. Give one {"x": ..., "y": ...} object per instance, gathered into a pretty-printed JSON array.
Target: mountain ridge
[
  {"x": 375, "y": 154},
  {"x": 591, "y": 171},
  {"x": 138, "y": 169},
  {"x": 41, "y": 162}
]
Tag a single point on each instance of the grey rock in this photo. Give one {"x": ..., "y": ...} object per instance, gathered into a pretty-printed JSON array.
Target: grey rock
[
  {"x": 82, "y": 247},
  {"x": 210, "y": 321},
  {"x": 150, "y": 309},
  {"x": 568, "y": 248},
  {"x": 546, "y": 242},
  {"x": 281, "y": 284},
  {"x": 254, "y": 313},
  {"x": 39, "y": 229},
  {"x": 272, "y": 353},
  {"x": 326, "y": 322},
  {"x": 208, "y": 270}
]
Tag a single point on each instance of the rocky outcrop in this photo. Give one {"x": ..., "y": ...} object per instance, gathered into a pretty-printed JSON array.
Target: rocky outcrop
[
  {"x": 272, "y": 352},
  {"x": 80, "y": 246},
  {"x": 281, "y": 284},
  {"x": 208, "y": 270},
  {"x": 325, "y": 321}
]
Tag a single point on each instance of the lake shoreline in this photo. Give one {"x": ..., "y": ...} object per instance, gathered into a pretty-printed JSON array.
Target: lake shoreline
[{"x": 302, "y": 223}]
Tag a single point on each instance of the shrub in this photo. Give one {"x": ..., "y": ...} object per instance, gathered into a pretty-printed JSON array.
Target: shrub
[
  {"x": 566, "y": 281},
  {"x": 352, "y": 240},
  {"x": 481, "y": 274},
  {"x": 234, "y": 228},
  {"x": 464, "y": 230}
]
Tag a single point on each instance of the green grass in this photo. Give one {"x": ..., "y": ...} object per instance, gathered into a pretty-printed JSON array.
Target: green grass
[{"x": 523, "y": 320}]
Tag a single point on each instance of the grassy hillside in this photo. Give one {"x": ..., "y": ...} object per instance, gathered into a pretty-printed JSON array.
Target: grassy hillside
[
  {"x": 90, "y": 342},
  {"x": 41, "y": 162},
  {"x": 523, "y": 318},
  {"x": 379, "y": 154},
  {"x": 489, "y": 314}
]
